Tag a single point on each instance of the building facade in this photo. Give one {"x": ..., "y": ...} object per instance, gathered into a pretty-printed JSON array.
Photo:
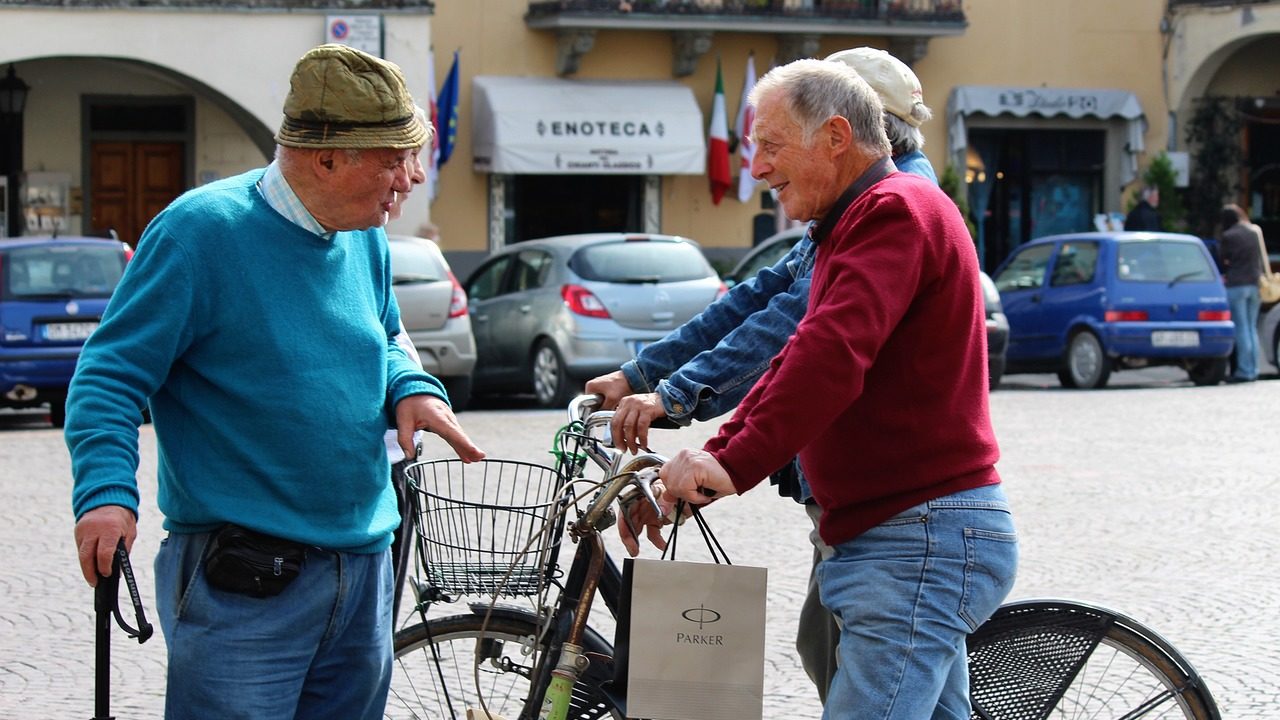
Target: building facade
[
  {"x": 128, "y": 104},
  {"x": 582, "y": 115}
]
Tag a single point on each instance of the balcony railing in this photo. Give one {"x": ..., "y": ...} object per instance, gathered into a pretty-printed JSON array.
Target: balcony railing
[
  {"x": 799, "y": 25},
  {"x": 1176, "y": 4},
  {"x": 927, "y": 11}
]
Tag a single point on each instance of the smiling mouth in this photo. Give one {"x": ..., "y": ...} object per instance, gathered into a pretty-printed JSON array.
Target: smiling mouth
[{"x": 779, "y": 187}]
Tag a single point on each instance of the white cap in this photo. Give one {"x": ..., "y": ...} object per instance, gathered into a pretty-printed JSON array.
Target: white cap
[{"x": 899, "y": 88}]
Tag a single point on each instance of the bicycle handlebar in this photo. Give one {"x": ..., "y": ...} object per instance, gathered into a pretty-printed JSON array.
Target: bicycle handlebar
[{"x": 641, "y": 470}]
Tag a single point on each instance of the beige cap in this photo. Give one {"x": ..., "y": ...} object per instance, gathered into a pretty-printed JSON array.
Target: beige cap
[
  {"x": 899, "y": 88},
  {"x": 340, "y": 97}
]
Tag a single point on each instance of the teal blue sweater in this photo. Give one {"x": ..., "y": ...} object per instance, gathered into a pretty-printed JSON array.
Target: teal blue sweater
[{"x": 268, "y": 356}]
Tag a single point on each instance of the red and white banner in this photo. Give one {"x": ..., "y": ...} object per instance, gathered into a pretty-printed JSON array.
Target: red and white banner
[{"x": 742, "y": 128}]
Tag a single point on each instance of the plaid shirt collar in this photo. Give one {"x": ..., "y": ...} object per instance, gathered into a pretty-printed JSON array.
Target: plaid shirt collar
[{"x": 276, "y": 191}]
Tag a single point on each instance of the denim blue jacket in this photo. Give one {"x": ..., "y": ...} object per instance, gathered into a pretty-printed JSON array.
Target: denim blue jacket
[{"x": 705, "y": 367}]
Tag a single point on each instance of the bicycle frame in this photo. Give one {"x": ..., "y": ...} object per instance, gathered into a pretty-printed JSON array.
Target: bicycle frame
[{"x": 592, "y": 570}]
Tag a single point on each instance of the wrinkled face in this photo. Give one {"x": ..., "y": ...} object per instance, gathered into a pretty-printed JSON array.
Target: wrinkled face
[
  {"x": 362, "y": 192},
  {"x": 417, "y": 176},
  {"x": 803, "y": 176}
]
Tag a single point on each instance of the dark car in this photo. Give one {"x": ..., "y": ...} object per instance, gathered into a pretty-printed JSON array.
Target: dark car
[
  {"x": 52, "y": 295},
  {"x": 1085, "y": 304},
  {"x": 769, "y": 252},
  {"x": 549, "y": 314}
]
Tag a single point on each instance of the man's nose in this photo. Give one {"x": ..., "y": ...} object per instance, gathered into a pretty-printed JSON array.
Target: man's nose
[
  {"x": 759, "y": 166},
  {"x": 403, "y": 181}
]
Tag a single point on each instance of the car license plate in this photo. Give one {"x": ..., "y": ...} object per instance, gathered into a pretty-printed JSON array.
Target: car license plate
[
  {"x": 1175, "y": 338},
  {"x": 69, "y": 330}
]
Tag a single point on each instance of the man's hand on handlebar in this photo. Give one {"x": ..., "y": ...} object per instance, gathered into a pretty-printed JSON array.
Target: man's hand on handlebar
[
  {"x": 637, "y": 512},
  {"x": 611, "y": 387},
  {"x": 631, "y": 421},
  {"x": 695, "y": 477}
]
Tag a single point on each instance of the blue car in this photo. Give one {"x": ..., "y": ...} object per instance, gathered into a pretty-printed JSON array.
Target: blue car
[
  {"x": 52, "y": 295},
  {"x": 1086, "y": 304}
]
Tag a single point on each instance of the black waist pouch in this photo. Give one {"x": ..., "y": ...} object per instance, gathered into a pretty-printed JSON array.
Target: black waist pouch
[{"x": 242, "y": 561}]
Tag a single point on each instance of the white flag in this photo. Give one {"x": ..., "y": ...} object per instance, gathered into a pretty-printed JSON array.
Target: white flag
[{"x": 746, "y": 150}]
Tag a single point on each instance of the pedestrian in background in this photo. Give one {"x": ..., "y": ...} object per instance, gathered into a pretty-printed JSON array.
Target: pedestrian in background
[
  {"x": 257, "y": 319},
  {"x": 704, "y": 368},
  {"x": 1240, "y": 250},
  {"x": 1144, "y": 215},
  {"x": 882, "y": 390}
]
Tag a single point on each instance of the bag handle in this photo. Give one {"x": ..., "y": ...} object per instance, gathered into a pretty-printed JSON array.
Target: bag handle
[
  {"x": 1262, "y": 245},
  {"x": 717, "y": 552}
]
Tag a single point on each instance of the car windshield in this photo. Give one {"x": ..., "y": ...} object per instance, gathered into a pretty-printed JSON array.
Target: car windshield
[
  {"x": 61, "y": 271},
  {"x": 1162, "y": 261},
  {"x": 641, "y": 262},
  {"x": 411, "y": 263}
]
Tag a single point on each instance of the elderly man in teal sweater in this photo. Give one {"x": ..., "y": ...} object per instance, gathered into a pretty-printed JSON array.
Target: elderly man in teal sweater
[{"x": 258, "y": 321}]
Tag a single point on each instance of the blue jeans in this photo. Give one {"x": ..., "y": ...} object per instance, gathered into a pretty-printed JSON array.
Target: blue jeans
[
  {"x": 1245, "y": 305},
  {"x": 907, "y": 593},
  {"x": 320, "y": 649}
]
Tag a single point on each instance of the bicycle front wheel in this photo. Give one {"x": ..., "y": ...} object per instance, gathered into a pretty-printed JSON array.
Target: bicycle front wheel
[
  {"x": 1057, "y": 659},
  {"x": 436, "y": 667}
]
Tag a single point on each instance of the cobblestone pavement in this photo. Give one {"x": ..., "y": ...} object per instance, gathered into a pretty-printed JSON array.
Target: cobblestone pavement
[{"x": 1152, "y": 497}]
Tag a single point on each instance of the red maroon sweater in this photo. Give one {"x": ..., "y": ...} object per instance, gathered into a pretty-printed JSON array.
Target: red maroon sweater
[{"x": 883, "y": 388}]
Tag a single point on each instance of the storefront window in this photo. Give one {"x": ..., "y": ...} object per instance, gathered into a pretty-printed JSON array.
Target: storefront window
[
  {"x": 547, "y": 205},
  {"x": 1034, "y": 183}
]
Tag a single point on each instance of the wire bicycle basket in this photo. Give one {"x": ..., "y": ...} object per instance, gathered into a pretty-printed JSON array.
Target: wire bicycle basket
[{"x": 487, "y": 528}]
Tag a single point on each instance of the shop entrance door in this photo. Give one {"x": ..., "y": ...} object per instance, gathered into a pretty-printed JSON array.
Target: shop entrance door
[
  {"x": 131, "y": 182},
  {"x": 1033, "y": 183},
  {"x": 547, "y": 205}
]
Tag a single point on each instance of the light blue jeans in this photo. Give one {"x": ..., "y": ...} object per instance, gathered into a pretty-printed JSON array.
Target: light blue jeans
[
  {"x": 907, "y": 593},
  {"x": 320, "y": 649},
  {"x": 1245, "y": 306}
]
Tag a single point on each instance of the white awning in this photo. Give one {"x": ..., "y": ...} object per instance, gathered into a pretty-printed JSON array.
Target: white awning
[
  {"x": 589, "y": 127},
  {"x": 1047, "y": 102}
]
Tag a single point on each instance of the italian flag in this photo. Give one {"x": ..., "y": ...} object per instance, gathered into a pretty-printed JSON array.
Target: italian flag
[{"x": 718, "y": 143}]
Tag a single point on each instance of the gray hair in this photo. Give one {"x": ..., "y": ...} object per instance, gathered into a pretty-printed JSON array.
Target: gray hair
[
  {"x": 902, "y": 136},
  {"x": 816, "y": 90}
]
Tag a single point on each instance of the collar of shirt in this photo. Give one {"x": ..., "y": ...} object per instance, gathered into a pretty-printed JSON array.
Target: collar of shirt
[
  {"x": 276, "y": 191},
  {"x": 874, "y": 174}
]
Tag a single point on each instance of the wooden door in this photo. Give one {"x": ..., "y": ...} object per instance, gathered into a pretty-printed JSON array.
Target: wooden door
[{"x": 131, "y": 183}]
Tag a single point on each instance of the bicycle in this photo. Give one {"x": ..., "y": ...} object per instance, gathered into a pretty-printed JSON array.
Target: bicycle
[{"x": 1032, "y": 659}]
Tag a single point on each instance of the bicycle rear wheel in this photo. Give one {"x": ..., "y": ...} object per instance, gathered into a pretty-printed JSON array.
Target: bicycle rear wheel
[
  {"x": 435, "y": 669},
  {"x": 1056, "y": 659}
]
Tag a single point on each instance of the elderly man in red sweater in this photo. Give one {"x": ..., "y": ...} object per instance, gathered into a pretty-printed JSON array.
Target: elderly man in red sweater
[{"x": 883, "y": 393}]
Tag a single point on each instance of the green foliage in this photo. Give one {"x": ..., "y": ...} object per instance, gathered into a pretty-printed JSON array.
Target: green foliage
[
  {"x": 959, "y": 194},
  {"x": 1214, "y": 133},
  {"x": 1160, "y": 174}
]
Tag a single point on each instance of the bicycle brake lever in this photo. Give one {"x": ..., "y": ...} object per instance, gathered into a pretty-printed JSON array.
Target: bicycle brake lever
[{"x": 644, "y": 480}]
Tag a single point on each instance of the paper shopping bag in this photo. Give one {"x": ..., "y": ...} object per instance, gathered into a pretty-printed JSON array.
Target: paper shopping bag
[{"x": 690, "y": 640}]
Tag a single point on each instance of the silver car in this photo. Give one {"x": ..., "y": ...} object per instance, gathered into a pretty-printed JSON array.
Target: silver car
[
  {"x": 433, "y": 308},
  {"x": 552, "y": 313}
]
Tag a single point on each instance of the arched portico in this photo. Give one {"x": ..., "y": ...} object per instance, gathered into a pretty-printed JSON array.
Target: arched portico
[
  {"x": 228, "y": 68},
  {"x": 1204, "y": 39}
]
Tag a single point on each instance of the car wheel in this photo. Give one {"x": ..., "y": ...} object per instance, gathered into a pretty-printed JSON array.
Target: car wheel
[
  {"x": 1208, "y": 372},
  {"x": 1086, "y": 364},
  {"x": 550, "y": 381},
  {"x": 459, "y": 389}
]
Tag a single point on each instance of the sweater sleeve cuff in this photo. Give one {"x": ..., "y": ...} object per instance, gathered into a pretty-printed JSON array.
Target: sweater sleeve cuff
[{"x": 108, "y": 496}]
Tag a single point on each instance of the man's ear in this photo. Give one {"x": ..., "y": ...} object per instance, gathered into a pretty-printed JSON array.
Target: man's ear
[
  {"x": 324, "y": 160},
  {"x": 839, "y": 133}
]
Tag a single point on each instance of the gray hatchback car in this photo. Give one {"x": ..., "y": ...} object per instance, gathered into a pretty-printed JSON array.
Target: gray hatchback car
[
  {"x": 549, "y": 314},
  {"x": 433, "y": 309}
]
